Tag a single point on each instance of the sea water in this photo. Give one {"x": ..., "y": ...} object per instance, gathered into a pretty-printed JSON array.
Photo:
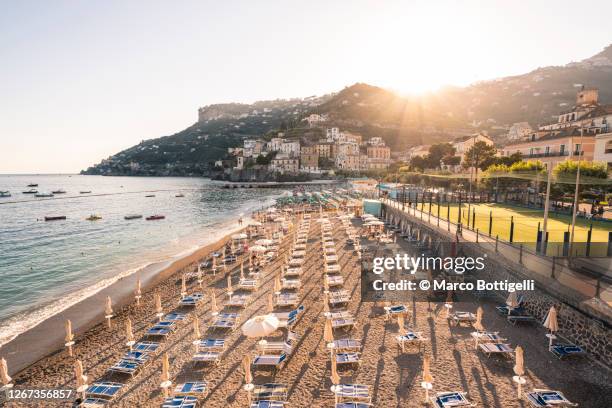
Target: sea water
[{"x": 46, "y": 267}]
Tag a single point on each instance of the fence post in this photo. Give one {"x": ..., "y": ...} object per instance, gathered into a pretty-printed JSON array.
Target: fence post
[
  {"x": 496, "y": 242},
  {"x": 438, "y": 199},
  {"x": 588, "y": 243},
  {"x": 477, "y": 234},
  {"x": 521, "y": 254},
  {"x": 538, "y": 240},
  {"x": 473, "y": 218},
  {"x": 511, "y": 228},
  {"x": 566, "y": 238},
  {"x": 610, "y": 243},
  {"x": 490, "y": 222},
  {"x": 552, "y": 272}
]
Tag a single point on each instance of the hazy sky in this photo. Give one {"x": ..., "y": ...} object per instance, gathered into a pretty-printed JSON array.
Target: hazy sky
[{"x": 81, "y": 80}]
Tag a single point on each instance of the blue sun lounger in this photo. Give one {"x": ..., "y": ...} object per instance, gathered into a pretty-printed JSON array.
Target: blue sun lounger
[
  {"x": 137, "y": 356},
  {"x": 103, "y": 389},
  {"x": 450, "y": 399},
  {"x": 91, "y": 402},
  {"x": 548, "y": 398},
  {"x": 567, "y": 350},
  {"x": 191, "y": 300},
  {"x": 195, "y": 389},
  {"x": 348, "y": 358},
  {"x": 524, "y": 318},
  {"x": 268, "y": 404},
  {"x": 353, "y": 392},
  {"x": 269, "y": 360},
  {"x": 129, "y": 367},
  {"x": 270, "y": 391},
  {"x": 175, "y": 317},
  {"x": 352, "y": 404},
  {"x": 161, "y": 329},
  {"x": 181, "y": 402},
  {"x": 146, "y": 346}
]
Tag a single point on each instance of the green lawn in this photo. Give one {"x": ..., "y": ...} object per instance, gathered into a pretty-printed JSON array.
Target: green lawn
[{"x": 526, "y": 225}]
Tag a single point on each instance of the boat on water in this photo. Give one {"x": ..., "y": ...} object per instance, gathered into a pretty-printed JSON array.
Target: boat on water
[
  {"x": 84, "y": 192},
  {"x": 60, "y": 191},
  {"x": 30, "y": 191},
  {"x": 32, "y": 185},
  {"x": 5, "y": 193},
  {"x": 93, "y": 217},
  {"x": 132, "y": 217},
  {"x": 41, "y": 195},
  {"x": 55, "y": 218},
  {"x": 180, "y": 195},
  {"x": 155, "y": 217},
  {"x": 150, "y": 195}
]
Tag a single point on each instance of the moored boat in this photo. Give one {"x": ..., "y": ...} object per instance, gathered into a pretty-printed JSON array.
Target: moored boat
[
  {"x": 5, "y": 193},
  {"x": 60, "y": 191},
  {"x": 55, "y": 218},
  {"x": 155, "y": 217},
  {"x": 32, "y": 185},
  {"x": 132, "y": 217},
  {"x": 150, "y": 195},
  {"x": 43, "y": 195},
  {"x": 30, "y": 191},
  {"x": 85, "y": 192},
  {"x": 93, "y": 217},
  {"x": 180, "y": 195}
]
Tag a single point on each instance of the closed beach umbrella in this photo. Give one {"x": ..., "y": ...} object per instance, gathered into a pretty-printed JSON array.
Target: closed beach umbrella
[
  {"x": 270, "y": 303},
  {"x": 69, "y": 337},
  {"x": 326, "y": 285},
  {"x": 277, "y": 285},
  {"x": 551, "y": 320},
  {"x": 427, "y": 377},
  {"x": 328, "y": 333},
  {"x": 478, "y": 325},
  {"x": 229, "y": 284},
  {"x": 165, "y": 376},
  {"x": 158, "y": 306},
  {"x": 81, "y": 379},
  {"x": 196, "y": 328},
  {"x": 200, "y": 280},
  {"x": 4, "y": 376},
  {"x": 183, "y": 286},
  {"x": 335, "y": 378},
  {"x": 325, "y": 303},
  {"x": 260, "y": 326},
  {"x": 138, "y": 292},
  {"x": 400, "y": 322},
  {"x": 213, "y": 303},
  {"x": 108, "y": 310},
  {"x": 246, "y": 365},
  {"x": 242, "y": 270},
  {"x": 512, "y": 301},
  {"x": 214, "y": 263},
  {"x": 129, "y": 333},
  {"x": 519, "y": 368}
]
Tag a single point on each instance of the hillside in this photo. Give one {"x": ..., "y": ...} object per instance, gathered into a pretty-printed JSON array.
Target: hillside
[{"x": 536, "y": 97}]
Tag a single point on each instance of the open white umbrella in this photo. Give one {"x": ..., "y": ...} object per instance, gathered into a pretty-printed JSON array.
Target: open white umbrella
[
  {"x": 551, "y": 324},
  {"x": 4, "y": 376},
  {"x": 69, "y": 337},
  {"x": 260, "y": 326},
  {"x": 108, "y": 311}
]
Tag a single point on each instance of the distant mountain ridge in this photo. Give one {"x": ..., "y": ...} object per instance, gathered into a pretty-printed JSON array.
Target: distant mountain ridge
[{"x": 535, "y": 97}]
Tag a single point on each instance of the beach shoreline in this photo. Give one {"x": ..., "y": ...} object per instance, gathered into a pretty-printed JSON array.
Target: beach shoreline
[{"x": 47, "y": 337}]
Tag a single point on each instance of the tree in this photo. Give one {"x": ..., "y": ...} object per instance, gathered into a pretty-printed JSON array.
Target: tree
[
  {"x": 510, "y": 160},
  {"x": 480, "y": 156},
  {"x": 451, "y": 160},
  {"x": 591, "y": 174},
  {"x": 437, "y": 152},
  {"x": 418, "y": 163}
]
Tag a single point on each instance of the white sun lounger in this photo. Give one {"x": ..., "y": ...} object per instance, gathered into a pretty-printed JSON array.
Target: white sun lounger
[
  {"x": 500, "y": 349},
  {"x": 410, "y": 338}
]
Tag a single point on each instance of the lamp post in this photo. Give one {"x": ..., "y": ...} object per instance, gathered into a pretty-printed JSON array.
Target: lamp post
[{"x": 576, "y": 192}]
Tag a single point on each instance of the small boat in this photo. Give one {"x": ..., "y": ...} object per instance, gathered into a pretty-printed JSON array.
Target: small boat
[
  {"x": 41, "y": 195},
  {"x": 55, "y": 218},
  {"x": 5, "y": 193},
  {"x": 155, "y": 217},
  {"x": 132, "y": 217},
  {"x": 84, "y": 192},
  {"x": 60, "y": 191},
  {"x": 31, "y": 191},
  {"x": 150, "y": 195},
  {"x": 32, "y": 185},
  {"x": 93, "y": 217},
  {"x": 180, "y": 195}
]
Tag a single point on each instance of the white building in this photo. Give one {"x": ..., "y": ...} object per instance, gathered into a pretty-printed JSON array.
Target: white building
[
  {"x": 282, "y": 163},
  {"x": 376, "y": 141},
  {"x": 603, "y": 149},
  {"x": 291, "y": 148},
  {"x": 274, "y": 145},
  {"x": 314, "y": 119},
  {"x": 519, "y": 130},
  {"x": 334, "y": 135}
]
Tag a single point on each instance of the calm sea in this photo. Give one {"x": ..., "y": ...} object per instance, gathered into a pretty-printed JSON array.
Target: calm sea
[{"x": 48, "y": 266}]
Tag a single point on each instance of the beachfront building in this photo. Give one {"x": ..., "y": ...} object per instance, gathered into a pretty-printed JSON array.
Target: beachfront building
[
  {"x": 324, "y": 149},
  {"x": 379, "y": 157},
  {"x": 274, "y": 145},
  {"x": 348, "y": 162},
  {"x": 291, "y": 148},
  {"x": 553, "y": 147},
  {"x": 603, "y": 149},
  {"x": 587, "y": 113},
  {"x": 283, "y": 163},
  {"x": 309, "y": 159},
  {"x": 519, "y": 130}
]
